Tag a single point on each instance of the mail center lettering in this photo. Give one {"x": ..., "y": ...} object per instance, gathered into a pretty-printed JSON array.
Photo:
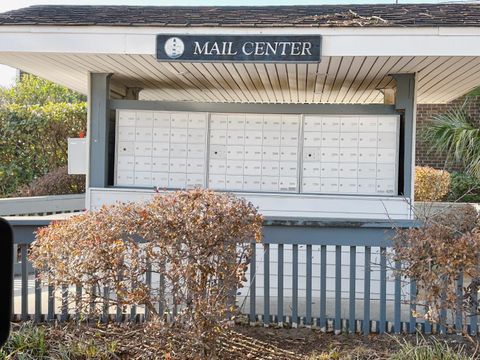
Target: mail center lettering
[{"x": 239, "y": 48}]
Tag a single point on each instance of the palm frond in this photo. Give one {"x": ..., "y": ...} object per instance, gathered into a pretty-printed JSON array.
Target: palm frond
[{"x": 455, "y": 135}]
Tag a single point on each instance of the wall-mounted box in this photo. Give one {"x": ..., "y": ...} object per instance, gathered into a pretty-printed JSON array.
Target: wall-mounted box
[{"x": 77, "y": 156}]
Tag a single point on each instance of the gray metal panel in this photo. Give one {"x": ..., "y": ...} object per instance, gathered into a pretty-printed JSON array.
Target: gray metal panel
[
  {"x": 351, "y": 300},
  {"x": 338, "y": 289},
  {"x": 459, "y": 304},
  {"x": 51, "y": 303},
  {"x": 308, "y": 285},
  {"x": 323, "y": 287},
  {"x": 24, "y": 251},
  {"x": 413, "y": 307},
  {"x": 280, "y": 284},
  {"x": 38, "y": 298},
  {"x": 64, "y": 315},
  {"x": 325, "y": 109},
  {"x": 295, "y": 285},
  {"x": 383, "y": 291},
  {"x": 366, "y": 291},
  {"x": 266, "y": 284},
  {"x": 397, "y": 306},
  {"x": 253, "y": 295},
  {"x": 99, "y": 115}
]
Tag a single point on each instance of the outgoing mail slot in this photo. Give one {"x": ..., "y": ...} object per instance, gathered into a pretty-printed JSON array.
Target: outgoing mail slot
[
  {"x": 253, "y": 137},
  {"x": 253, "y": 153},
  {"x": 252, "y": 183},
  {"x": 217, "y": 166},
  {"x": 179, "y": 120},
  {"x": 289, "y": 138},
  {"x": 143, "y": 178},
  {"x": 331, "y": 124},
  {"x": 288, "y": 168},
  {"x": 235, "y": 137},
  {"x": 311, "y": 185},
  {"x": 348, "y": 170},
  {"x": 218, "y": 152},
  {"x": 218, "y": 121},
  {"x": 195, "y": 166},
  {"x": 197, "y": 121},
  {"x": 160, "y": 164},
  {"x": 329, "y": 185},
  {"x": 387, "y": 140},
  {"x": 367, "y": 155},
  {"x": 178, "y": 135},
  {"x": 161, "y": 150},
  {"x": 161, "y": 135},
  {"x": 348, "y": 140},
  {"x": 126, "y": 133},
  {"x": 218, "y": 136},
  {"x": 195, "y": 181},
  {"x": 329, "y": 155},
  {"x": 312, "y": 138},
  {"x": 234, "y": 182},
  {"x": 235, "y": 152},
  {"x": 272, "y": 122},
  {"x": 252, "y": 167},
  {"x": 290, "y": 123},
  {"x": 125, "y": 162},
  {"x": 269, "y": 183},
  {"x": 349, "y": 124},
  {"x": 330, "y": 140},
  {"x": 349, "y": 155},
  {"x": 143, "y": 134},
  {"x": 271, "y": 153},
  {"x": 125, "y": 177},
  {"x": 367, "y": 124},
  {"x": 217, "y": 182},
  {"x": 347, "y": 186},
  {"x": 386, "y": 156},
  {"x": 160, "y": 179},
  {"x": 271, "y": 138},
  {"x": 196, "y": 136},
  {"x": 367, "y": 171},
  {"x": 126, "y": 118},
  {"x": 178, "y": 150},
  {"x": 126, "y": 148},
  {"x": 312, "y": 154},
  {"x": 143, "y": 163},
  {"x": 177, "y": 181},
  {"x": 178, "y": 165},
  {"x": 312, "y": 123},
  {"x": 388, "y": 124},
  {"x": 288, "y": 154},
  {"x": 287, "y": 184},
  {"x": 236, "y": 122},
  {"x": 144, "y": 119},
  {"x": 329, "y": 170},
  {"x": 161, "y": 120},
  {"x": 366, "y": 140},
  {"x": 234, "y": 167},
  {"x": 196, "y": 151},
  {"x": 311, "y": 169},
  {"x": 143, "y": 149},
  {"x": 366, "y": 186},
  {"x": 254, "y": 121},
  {"x": 270, "y": 168},
  {"x": 385, "y": 187}
]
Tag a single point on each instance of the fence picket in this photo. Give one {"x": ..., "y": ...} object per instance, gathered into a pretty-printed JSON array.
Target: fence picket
[
  {"x": 366, "y": 291},
  {"x": 323, "y": 287},
  {"x": 338, "y": 289},
  {"x": 280, "y": 285},
  {"x": 308, "y": 286},
  {"x": 383, "y": 291},
  {"x": 51, "y": 303},
  {"x": 397, "y": 300},
  {"x": 413, "y": 307},
  {"x": 266, "y": 285},
  {"x": 253, "y": 263},
  {"x": 38, "y": 297},
  {"x": 459, "y": 302},
  {"x": 352, "y": 297},
  {"x": 64, "y": 315},
  {"x": 24, "y": 305},
  {"x": 294, "y": 285}
]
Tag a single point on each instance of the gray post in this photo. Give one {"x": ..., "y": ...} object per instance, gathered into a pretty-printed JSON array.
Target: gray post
[
  {"x": 98, "y": 127},
  {"x": 406, "y": 101}
]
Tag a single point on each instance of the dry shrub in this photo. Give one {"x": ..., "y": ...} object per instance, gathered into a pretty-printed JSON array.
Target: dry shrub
[
  {"x": 56, "y": 182},
  {"x": 198, "y": 240},
  {"x": 431, "y": 184},
  {"x": 435, "y": 254}
]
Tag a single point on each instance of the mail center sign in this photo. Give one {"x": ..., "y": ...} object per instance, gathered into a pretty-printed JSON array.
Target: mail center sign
[{"x": 239, "y": 48}]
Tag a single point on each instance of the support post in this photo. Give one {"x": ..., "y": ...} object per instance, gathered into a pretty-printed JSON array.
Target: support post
[
  {"x": 406, "y": 101},
  {"x": 98, "y": 128}
]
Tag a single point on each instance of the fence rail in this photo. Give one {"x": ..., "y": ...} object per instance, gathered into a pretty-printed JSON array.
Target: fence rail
[
  {"x": 42, "y": 205},
  {"x": 333, "y": 275}
]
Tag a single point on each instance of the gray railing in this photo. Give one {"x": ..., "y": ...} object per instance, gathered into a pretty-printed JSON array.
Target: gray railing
[
  {"x": 42, "y": 205},
  {"x": 333, "y": 275}
]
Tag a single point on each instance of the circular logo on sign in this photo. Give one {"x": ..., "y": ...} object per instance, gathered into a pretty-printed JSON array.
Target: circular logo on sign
[{"x": 174, "y": 47}]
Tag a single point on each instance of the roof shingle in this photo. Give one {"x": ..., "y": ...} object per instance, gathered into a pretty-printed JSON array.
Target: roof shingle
[{"x": 378, "y": 15}]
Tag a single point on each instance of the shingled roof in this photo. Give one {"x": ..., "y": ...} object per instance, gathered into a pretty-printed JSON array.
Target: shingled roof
[{"x": 385, "y": 15}]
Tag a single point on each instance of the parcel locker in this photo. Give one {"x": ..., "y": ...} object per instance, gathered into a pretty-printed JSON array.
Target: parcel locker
[
  {"x": 311, "y": 185},
  {"x": 252, "y": 183},
  {"x": 216, "y": 182},
  {"x": 367, "y": 140},
  {"x": 197, "y": 120},
  {"x": 218, "y": 121},
  {"x": 178, "y": 165},
  {"x": 288, "y": 168},
  {"x": 143, "y": 178},
  {"x": 161, "y": 164},
  {"x": 126, "y": 118},
  {"x": 125, "y": 162},
  {"x": 143, "y": 163},
  {"x": 366, "y": 186},
  {"x": 217, "y": 166},
  {"x": 196, "y": 151},
  {"x": 126, "y": 148},
  {"x": 272, "y": 123},
  {"x": 367, "y": 124},
  {"x": 234, "y": 182},
  {"x": 253, "y": 152},
  {"x": 331, "y": 124},
  {"x": 196, "y": 136},
  {"x": 179, "y": 120},
  {"x": 196, "y": 166},
  {"x": 177, "y": 180},
  {"x": 234, "y": 167},
  {"x": 218, "y": 136},
  {"x": 269, "y": 183},
  {"x": 125, "y": 177},
  {"x": 160, "y": 179},
  {"x": 161, "y": 120},
  {"x": 252, "y": 167},
  {"x": 126, "y": 133},
  {"x": 311, "y": 169},
  {"x": 287, "y": 184},
  {"x": 312, "y": 138},
  {"x": 143, "y": 134},
  {"x": 144, "y": 119},
  {"x": 143, "y": 149},
  {"x": 253, "y": 137}
]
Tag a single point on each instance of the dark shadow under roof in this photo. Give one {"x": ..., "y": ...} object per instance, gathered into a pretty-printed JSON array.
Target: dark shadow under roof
[{"x": 378, "y": 15}]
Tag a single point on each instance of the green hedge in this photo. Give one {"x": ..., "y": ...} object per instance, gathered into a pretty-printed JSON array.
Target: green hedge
[{"x": 464, "y": 188}]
